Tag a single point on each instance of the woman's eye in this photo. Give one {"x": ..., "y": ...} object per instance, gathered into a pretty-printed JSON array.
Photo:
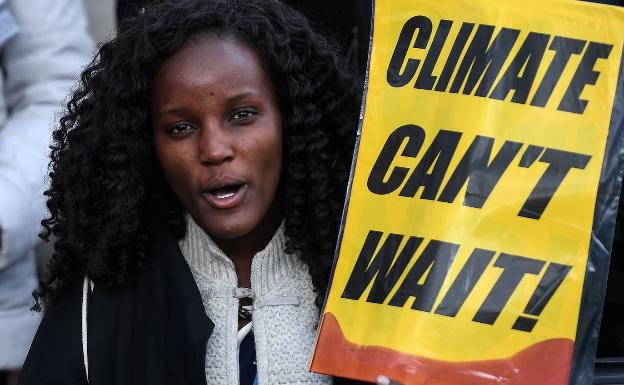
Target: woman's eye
[
  {"x": 180, "y": 129},
  {"x": 243, "y": 115}
]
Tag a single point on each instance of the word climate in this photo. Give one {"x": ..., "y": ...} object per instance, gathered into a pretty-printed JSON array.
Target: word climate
[{"x": 485, "y": 59}]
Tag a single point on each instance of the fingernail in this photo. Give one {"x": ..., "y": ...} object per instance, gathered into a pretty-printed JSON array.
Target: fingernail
[{"x": 383, "y": 380}]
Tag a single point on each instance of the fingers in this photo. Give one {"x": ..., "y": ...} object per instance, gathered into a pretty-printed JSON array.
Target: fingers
[{"x": 383, "y": 380}]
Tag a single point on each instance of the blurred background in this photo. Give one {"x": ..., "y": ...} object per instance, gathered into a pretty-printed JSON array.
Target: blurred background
[{"x": 101, "y": 14}]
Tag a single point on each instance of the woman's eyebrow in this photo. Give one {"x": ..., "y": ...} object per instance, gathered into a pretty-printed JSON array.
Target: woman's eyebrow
[
  {"x": 176, "y": 111},
  {"x": 243, "y": 95},
  {"x": 171, "y": 111}
]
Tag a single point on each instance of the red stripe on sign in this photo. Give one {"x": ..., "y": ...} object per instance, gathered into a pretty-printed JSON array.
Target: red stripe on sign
[{"x": 545, "y": 363}]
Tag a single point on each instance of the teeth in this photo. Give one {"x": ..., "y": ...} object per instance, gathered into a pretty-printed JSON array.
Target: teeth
[{"x": 224, "y": 195}]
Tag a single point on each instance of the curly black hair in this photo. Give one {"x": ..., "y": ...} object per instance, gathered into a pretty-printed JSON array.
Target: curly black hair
[{"x": 107, "y": 189}]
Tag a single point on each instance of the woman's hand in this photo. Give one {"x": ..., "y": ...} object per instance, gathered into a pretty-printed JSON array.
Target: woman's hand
[{"x": 383, "y": 380}]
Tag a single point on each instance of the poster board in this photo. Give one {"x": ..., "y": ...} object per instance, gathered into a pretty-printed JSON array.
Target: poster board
[{"x": 488, "y": 154}]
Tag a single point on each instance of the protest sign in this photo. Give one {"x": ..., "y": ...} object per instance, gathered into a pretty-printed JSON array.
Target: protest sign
[{"x": 489, "y": 155}]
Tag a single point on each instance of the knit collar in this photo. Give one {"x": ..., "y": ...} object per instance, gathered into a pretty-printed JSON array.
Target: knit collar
[{"x": 269, "y": 268}]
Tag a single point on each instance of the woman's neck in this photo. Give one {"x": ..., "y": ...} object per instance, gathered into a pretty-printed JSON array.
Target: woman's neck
[{"x": 241, "y": 250}]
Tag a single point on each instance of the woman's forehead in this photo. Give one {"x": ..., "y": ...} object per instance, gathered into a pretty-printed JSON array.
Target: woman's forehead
[{"x": 212, "y": 65}]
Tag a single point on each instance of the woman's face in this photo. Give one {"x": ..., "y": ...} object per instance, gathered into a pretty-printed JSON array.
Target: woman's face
[{"x": 218, "y": 135}]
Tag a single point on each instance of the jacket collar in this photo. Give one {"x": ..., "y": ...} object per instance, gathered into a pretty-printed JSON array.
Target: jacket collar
[{"x": 271, "y": 265}]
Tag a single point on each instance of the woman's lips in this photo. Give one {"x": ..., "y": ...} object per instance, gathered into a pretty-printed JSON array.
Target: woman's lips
[{"x": 225, "y": 197}]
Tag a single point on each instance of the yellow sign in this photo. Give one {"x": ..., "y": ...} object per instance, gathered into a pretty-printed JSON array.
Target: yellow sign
[{"x": 467, "y": 232}]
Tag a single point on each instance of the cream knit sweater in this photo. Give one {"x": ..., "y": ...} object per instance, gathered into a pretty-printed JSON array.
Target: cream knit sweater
[{"x": 284, "y": 316}]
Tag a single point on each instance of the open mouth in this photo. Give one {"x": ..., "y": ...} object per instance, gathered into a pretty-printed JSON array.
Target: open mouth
[
  {"x": 225, "y": 192},
  {"x": 225, "y": 196}
]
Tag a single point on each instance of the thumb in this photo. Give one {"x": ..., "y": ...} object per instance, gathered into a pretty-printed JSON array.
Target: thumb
[{"x": 384, "y": 380}]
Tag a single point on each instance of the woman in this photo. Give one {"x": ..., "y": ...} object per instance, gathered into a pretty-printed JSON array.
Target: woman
[{"x": 198, "y": 178}]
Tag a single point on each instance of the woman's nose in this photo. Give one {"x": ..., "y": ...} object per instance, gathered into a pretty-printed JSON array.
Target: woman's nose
[{"x": 215, "y": 145}]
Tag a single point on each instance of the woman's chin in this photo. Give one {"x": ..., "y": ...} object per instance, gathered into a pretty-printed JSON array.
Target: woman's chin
[{"x": 229, "y": 231}]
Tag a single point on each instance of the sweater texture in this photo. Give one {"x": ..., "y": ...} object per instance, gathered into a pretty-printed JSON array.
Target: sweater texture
[{"x": 284, "y": 316}]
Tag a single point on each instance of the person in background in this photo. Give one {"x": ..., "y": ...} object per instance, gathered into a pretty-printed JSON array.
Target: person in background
[{"x": 43, "y": 45}]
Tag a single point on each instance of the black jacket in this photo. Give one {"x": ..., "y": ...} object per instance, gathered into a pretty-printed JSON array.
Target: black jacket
[{"x": 152, "y": 332}]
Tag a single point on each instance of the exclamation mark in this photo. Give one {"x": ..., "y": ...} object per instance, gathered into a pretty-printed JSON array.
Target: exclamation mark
[{"x": 554, "y": 275}]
